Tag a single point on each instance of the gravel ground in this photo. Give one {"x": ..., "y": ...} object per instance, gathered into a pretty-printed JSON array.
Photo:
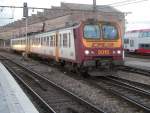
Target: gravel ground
[{"x": 98, "y": 97}]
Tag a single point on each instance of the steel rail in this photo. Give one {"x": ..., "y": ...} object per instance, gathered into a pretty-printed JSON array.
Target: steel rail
[
  {"x": 135, "y": 70},
  {"x": 132, "y": 87},
  {"x": 144, "y": 86}
]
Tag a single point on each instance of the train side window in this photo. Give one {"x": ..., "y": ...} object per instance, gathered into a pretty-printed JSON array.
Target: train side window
[
  {"x": 65, "y": 40},
  {"x": 131, "y": 43},
  {"x": 146, "y": 45},
  {"x": 148, "y": 34},
  {"x": 51, "y": 41},
  {"x": 23, "y": 42},
  {"x": 69, "y": 40},
  {"x": 38, "y": 42},
  {"x": 145, "y": 34},
  {"x": 44, "y": 41},
  {"x": 126, "y": 41},
  {"x": 34, "y": 41},
  {"x": 47, "y": 42},
  {"x": 140, "y": 34},
  {"x": 41, "y": 40},
  {"x": 60, "y": 40}
]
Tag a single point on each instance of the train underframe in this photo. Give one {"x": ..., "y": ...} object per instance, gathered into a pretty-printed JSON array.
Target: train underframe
[
  {"x": 102, "y": 67},
  {"x": 99, "y": 67}
]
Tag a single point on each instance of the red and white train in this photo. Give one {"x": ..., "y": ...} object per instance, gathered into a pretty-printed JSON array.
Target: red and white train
[
  {"x": 89, "y": 44},
  {"x": 137, "y": 41}
]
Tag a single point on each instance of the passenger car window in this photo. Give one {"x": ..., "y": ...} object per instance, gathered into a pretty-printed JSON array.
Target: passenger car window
[{"x": 65, "y": 40}]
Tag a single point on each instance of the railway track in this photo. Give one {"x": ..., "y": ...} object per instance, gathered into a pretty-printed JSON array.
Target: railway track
[
  {"x": 134, "y": 95},
  {"x": 135, "y": 70},
  {"x": 145, "y": 87},
  {"x": 54, "y": 98}
]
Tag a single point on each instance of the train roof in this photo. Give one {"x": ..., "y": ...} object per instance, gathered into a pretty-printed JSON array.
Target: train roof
[{"x": 139, "y": 30}]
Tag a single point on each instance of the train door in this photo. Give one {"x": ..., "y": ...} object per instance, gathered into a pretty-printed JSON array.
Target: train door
[{"x": 56, "y": 47}]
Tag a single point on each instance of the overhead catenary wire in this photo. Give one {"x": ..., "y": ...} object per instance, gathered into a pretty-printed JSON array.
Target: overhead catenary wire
[
  {"x": 128, "y": 3},
  {"x": 120, "y": 2}
]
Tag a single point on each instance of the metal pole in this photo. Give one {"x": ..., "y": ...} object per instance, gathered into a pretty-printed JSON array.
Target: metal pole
[
  {"x": 26, "y": 35},
  {"x": 94, "y": 5}
]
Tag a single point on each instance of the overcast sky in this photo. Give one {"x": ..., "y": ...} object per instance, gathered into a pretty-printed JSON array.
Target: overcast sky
[{"x": 139, "y": 17}]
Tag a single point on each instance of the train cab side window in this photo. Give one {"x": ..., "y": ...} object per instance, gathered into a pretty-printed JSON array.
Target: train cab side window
[{"x": 65, "y": 40}]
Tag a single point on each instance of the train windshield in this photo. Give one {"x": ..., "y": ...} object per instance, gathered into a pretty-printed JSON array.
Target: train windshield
[
  {"x": 109, "y": 32},
  {"x": 92, "y": 31}
]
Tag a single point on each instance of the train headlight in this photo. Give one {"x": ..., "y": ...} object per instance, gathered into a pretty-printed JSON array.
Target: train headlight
[
  {"x": 87, "y": 52},
  {"x": 92, "y": 52},
  {"x": 119, "y": 52},
  {"x": 114, "y": 52}
]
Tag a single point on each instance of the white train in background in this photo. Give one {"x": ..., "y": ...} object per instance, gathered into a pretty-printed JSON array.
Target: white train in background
[{"x": 137, "y": 41}]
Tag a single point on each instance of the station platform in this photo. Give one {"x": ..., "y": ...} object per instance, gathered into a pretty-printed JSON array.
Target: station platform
[
  {"x": 138, "y": 63},
  {"x": 12, "y": 97}
]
